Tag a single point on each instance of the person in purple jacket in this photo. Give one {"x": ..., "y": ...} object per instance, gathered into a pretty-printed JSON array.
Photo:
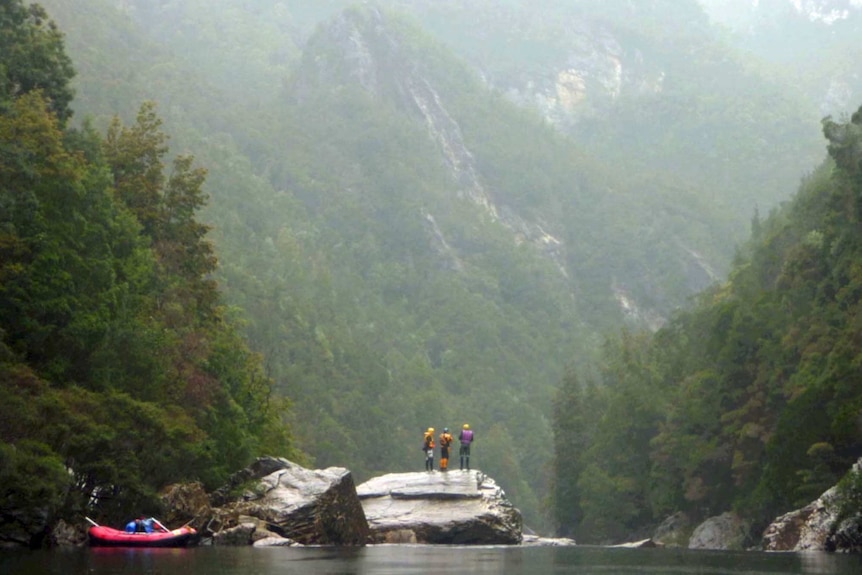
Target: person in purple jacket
[{"x": 466, "y": 438}]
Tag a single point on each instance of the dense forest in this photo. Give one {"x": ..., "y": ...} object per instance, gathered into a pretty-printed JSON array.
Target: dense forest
[
  {"x": 316, "y": 229},
  {"x": 121, "y": 368},
  {"x": 750, "y": 400}
]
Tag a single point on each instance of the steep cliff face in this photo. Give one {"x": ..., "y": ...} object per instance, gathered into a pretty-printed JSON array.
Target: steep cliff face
[
  {"x": 596, "y": 73},
  {"x": 359, "y": 48},
  {"x": 645, "y": 86},
  {"x": 569, "y": 60},
  {"x": 367, "y": 49}
]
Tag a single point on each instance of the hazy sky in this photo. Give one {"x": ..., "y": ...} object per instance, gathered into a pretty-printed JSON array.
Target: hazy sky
[{"x": 738, "y": 13}]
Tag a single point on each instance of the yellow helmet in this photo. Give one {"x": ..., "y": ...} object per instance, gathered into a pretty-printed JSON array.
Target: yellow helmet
[
  {"x": 466, "y": 426},
  {"x": 430, "y": 430}
]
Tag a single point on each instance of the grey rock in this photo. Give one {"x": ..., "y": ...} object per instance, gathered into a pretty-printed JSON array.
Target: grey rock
[
  {"x": 186, "y": 503},
  {"x": 726, "y": 531},
  {"x": 455, "y": 507},
  {"x": 847, "y": 536},
  {"x": 674, "y": 531},
  {"x": 803, "y": 529},
  {"x": 816, "y": 527},
  {"x": 235, "y": 536},
  {"x": 276, "y": 542},
  {"x": 537, "y": 541},
  {"x": 67, "y": 535},
  {"x": 642, "y": 544},
  {"x": 310, "y": 506}
]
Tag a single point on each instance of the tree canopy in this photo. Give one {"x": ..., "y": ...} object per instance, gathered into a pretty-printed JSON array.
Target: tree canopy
[
  {"x": 120, "y": 368},
  {"x": 748, "y": 401}
]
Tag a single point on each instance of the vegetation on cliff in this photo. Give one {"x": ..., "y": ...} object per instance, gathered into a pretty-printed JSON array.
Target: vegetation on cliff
[
  {"x": 751, "y": 399},
  {"x": 352, "y": 253},
  {"x": 120, "y": 369}
]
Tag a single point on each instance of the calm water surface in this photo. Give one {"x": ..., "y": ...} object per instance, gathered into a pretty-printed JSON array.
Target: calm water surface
[{"x": 402, "y": 559}]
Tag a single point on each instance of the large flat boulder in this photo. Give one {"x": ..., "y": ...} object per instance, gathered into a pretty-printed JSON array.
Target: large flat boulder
[
  {"x": 309, "y": 506},
  {"x": 454, "y": 507}
]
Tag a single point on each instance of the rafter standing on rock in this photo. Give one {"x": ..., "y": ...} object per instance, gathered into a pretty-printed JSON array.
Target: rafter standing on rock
[
  {"x": 466, "y": 438},
  {"x": 428, "y": 449},
  {"x": 445, "y": 442}
]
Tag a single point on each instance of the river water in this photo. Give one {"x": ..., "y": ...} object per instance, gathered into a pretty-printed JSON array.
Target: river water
[{"x": 415, "y": 559}]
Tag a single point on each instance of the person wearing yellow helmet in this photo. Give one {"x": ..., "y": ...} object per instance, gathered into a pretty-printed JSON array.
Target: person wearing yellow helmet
[
  {"x": 428, "y": 449},
  {"x": 466, "y": 438}
]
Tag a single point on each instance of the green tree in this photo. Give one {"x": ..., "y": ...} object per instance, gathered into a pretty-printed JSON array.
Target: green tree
[
  {"x": 33, "y": 57},
  {"x": 576, "y": 410}
]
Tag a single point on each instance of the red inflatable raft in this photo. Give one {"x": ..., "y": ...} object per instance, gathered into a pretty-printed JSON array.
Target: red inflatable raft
[{"x": 101, "y": 536}]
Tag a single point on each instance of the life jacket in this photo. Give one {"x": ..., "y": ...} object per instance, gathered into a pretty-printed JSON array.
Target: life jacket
[
  {"x": 429, "y": 441},
  {"x": 466, "y": 436},
  {"x": 445, "y": 440}
]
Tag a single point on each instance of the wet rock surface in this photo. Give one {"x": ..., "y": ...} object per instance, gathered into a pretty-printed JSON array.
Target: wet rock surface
[
  {"x": 455, "y": 507},
  {"x": 538, "y": 541},
  {"x": 818, "y": 526},
  {"x": 727, "y": 531},
  {"x": 311, "y": 507}
]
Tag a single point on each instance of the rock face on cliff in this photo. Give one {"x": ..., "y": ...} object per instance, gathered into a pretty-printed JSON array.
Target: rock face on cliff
[
  {"x": 816, "y": 527},
  {"x": 455, "y": 507},
  {"x": 803, "y": 529},
  {"x": 308, "y": 506}
]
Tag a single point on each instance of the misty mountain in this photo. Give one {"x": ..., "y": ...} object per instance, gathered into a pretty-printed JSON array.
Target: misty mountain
[
  {"x": 425, "y": 211},
  {"x": 815, "y": 43},
  {"x": 747, "y": 403}
]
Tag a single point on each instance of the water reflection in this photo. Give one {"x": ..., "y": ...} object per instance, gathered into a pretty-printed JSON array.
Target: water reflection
[
  {"x": 136, "y": 560},
  {"x": 816, "y": 562},
  {"x": 416, "y": 559}
]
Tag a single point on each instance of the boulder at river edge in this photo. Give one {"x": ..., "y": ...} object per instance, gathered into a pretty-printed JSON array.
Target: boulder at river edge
[
  {"x": 311, "y": 507},
  {"x": 726, "y": 531},
  {"x": 454, "y": 507},
  {"x": 817, "y": 526}
]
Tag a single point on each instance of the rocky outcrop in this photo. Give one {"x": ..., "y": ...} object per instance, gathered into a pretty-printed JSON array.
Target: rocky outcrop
[
  {"x": 66, "y": 534},
  {"x": 727, "y": 531},
  {"x": 803, "y": 529},
  {"x": 276, "y": 542},
  {"x": 675, "y": 531},
  {"x": 537, "y": 541},
  {"x": 642, "y": 544},
  {"x": 817, "y": 526},
  {"x": 235, "y": 536},
  {"x": 455, "y": 507},
  {"x": 23, "y": 527},
  {"x": 186, "y": 503},
  {"x": 286, "y": 500}
]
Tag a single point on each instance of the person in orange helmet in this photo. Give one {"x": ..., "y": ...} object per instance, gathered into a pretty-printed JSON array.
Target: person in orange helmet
[{"x": 445, "y": 442}]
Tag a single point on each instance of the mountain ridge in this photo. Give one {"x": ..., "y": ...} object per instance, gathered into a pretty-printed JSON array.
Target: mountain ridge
[{"x": 370, "y": 261}]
